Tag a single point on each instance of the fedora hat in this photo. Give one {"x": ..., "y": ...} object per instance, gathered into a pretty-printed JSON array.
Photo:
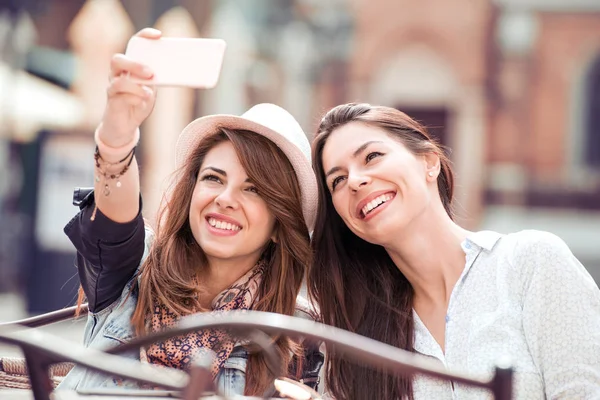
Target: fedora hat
[{"x": 272, "y": 122}]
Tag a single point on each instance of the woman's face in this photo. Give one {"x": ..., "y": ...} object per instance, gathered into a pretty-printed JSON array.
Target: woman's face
[
  {"x": 378, "y": 187},
  {"x": 228, "y": 217}
]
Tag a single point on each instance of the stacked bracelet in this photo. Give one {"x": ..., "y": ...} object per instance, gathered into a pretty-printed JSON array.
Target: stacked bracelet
[
  {"x": 107, "y": 176},
  {"x": 103, "y": 154}
]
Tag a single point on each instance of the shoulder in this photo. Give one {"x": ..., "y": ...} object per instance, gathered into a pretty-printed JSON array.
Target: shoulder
[
  {"x": 534, "y": 244},
  {"x": 306, "y": 309},
  {"x": 149, "y": 240},
  {"x": 543, "y": 256},
  {"x": 528, "y": 253},
  {"x": 532, "y": 237},
  {"x": 149, "y": 236}
]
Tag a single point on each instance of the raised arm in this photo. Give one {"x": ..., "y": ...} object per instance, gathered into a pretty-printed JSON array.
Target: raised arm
[
  {"x": 109, "y": 232},
  {"x": 117, "y": 182}
]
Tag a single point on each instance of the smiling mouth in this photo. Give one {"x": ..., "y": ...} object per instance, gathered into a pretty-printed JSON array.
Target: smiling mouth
[
  {"x": 226, "y": 226},
  {"x": 375, "y": 203}
]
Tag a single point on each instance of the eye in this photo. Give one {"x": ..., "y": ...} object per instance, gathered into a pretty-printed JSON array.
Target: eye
[
  {"x": 211, "y": 177},
  {"x": 372, "y": 155},
  {"x": 252, "y": 189},
  {"x": 337, "y": 180}
]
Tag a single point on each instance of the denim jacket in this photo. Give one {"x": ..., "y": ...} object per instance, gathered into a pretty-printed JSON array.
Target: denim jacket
[{"x": 111, "y": 325}]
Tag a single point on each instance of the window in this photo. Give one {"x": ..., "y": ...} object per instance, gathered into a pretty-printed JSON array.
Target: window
[
  {"x": 592, "y": 113},
  {"x": 434, "y": 119}
]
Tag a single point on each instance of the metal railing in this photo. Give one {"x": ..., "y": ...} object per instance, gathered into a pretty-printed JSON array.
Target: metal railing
[
  {"x": 49, "y": 318},
  {"x": 41, "y": 350}
]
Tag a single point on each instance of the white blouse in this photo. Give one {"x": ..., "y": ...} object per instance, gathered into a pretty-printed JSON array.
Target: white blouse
[{"x": 525, "y": 296}]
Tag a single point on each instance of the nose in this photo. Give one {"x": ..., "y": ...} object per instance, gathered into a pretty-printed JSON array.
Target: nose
[
  {"x": 356, "y": 181},
  {"x": 227, "y": 199}
]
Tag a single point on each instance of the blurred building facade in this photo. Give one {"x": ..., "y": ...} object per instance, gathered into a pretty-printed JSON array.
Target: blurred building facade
[{"x": 511, "y": 86}]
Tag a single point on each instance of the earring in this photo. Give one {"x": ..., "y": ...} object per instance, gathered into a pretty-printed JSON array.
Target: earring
[{"x": 430, "y": 173}]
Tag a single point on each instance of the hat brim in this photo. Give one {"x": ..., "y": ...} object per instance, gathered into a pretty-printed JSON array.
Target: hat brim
[{"x": 202, "y": 127}]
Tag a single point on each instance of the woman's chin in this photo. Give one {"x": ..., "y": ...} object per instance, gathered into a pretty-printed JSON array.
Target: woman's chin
[{"x": 219, "y": 252}]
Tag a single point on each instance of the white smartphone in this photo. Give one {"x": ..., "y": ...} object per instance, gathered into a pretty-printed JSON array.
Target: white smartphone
[{"x": 189, "y": 62}]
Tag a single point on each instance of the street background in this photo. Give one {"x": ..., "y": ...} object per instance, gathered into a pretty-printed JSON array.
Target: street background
[{"x": 512, "y": 86}]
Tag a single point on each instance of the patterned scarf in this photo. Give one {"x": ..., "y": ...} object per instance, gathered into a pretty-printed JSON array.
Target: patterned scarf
[{"x": 178, "y": 352}]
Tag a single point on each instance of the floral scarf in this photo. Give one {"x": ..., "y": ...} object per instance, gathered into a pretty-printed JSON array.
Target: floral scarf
[{"x": 178, "y": 352}]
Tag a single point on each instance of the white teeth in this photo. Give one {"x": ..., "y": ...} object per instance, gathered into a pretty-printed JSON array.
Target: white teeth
[
  {"x": 223, "y": 225},
  {"x": 376, "y": 202}
]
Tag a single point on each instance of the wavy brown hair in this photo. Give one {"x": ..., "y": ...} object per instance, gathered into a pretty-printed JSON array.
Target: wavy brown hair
[
  {"x": 355, "y": 283},
  {"x": 175, "y": 257}
]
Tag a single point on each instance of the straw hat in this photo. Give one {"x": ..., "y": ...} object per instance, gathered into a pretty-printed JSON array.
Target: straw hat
[{"x": 272, "y": 122}]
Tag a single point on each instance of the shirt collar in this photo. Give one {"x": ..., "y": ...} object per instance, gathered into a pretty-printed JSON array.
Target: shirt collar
[{"x": 484, "y": 239}]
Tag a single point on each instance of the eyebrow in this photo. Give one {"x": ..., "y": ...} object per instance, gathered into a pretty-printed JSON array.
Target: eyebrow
[
  {"x": 217, "y": 170},
  {"x": 354, "y": 155},
  {"x": 221, "y": 172}
]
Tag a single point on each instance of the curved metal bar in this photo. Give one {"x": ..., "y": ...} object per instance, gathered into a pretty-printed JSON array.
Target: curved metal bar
[
  {"x": 201, "y": 380},
  {"x": 42, "y": 349},
  {"x": 265, "y": 342},
  {"x": 255, "y": 336},
  {"x": 357, "y": 347},
  {"x": 266, "y": 345},
  {"x": 52, "y": 349},
  {"x": 48, "y": 318}
]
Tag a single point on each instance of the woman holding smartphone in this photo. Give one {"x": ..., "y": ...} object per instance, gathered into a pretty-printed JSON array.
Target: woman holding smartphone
[
  {"x": 233, "y": 235},
  {"x": 391, "y": 264}
]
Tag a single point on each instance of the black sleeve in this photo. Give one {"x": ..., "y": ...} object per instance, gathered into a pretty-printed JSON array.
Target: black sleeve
[
  {"x": 311, "y": 366},
  {"x": 108, "y": 253},
  {"x": 307, "y": 370}
]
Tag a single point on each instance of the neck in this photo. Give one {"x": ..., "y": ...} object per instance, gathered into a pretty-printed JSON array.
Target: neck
[
  {"x": 430, "y": 256},
  {"x": 221, "y": 274}
]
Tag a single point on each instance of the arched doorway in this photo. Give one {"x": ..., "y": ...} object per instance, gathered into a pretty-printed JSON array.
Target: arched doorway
[{"x": 420, "y": 83}]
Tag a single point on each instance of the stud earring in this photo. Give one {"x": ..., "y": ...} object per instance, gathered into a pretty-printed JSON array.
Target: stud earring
[{"x": 430, "y": 173}]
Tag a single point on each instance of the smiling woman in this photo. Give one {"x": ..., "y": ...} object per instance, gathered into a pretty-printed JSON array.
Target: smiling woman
[
  {"x": 354, "y": 164},
  {"x": 226, "y": 202},
  {"x": 391, "y": 264},
  {"x": 240, "y": 228},
  {"x": 233, "y": 235}
]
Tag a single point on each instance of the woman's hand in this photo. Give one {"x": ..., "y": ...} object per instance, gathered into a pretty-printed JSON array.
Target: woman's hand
[{"x": 128, "y": 103}]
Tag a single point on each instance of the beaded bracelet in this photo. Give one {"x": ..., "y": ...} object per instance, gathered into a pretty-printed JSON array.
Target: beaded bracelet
[
  {"x": 117, "y": 176},
  {"x": 107, "y": 177}
]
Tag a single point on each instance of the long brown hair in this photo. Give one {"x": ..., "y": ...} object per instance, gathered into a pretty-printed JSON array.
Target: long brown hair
[
  {"x": 175, "y": 257},
  {"x": 355, "y": 283}
]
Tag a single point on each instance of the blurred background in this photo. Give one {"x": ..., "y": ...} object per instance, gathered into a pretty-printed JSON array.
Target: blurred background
[{"x": 512, "y": 86}]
